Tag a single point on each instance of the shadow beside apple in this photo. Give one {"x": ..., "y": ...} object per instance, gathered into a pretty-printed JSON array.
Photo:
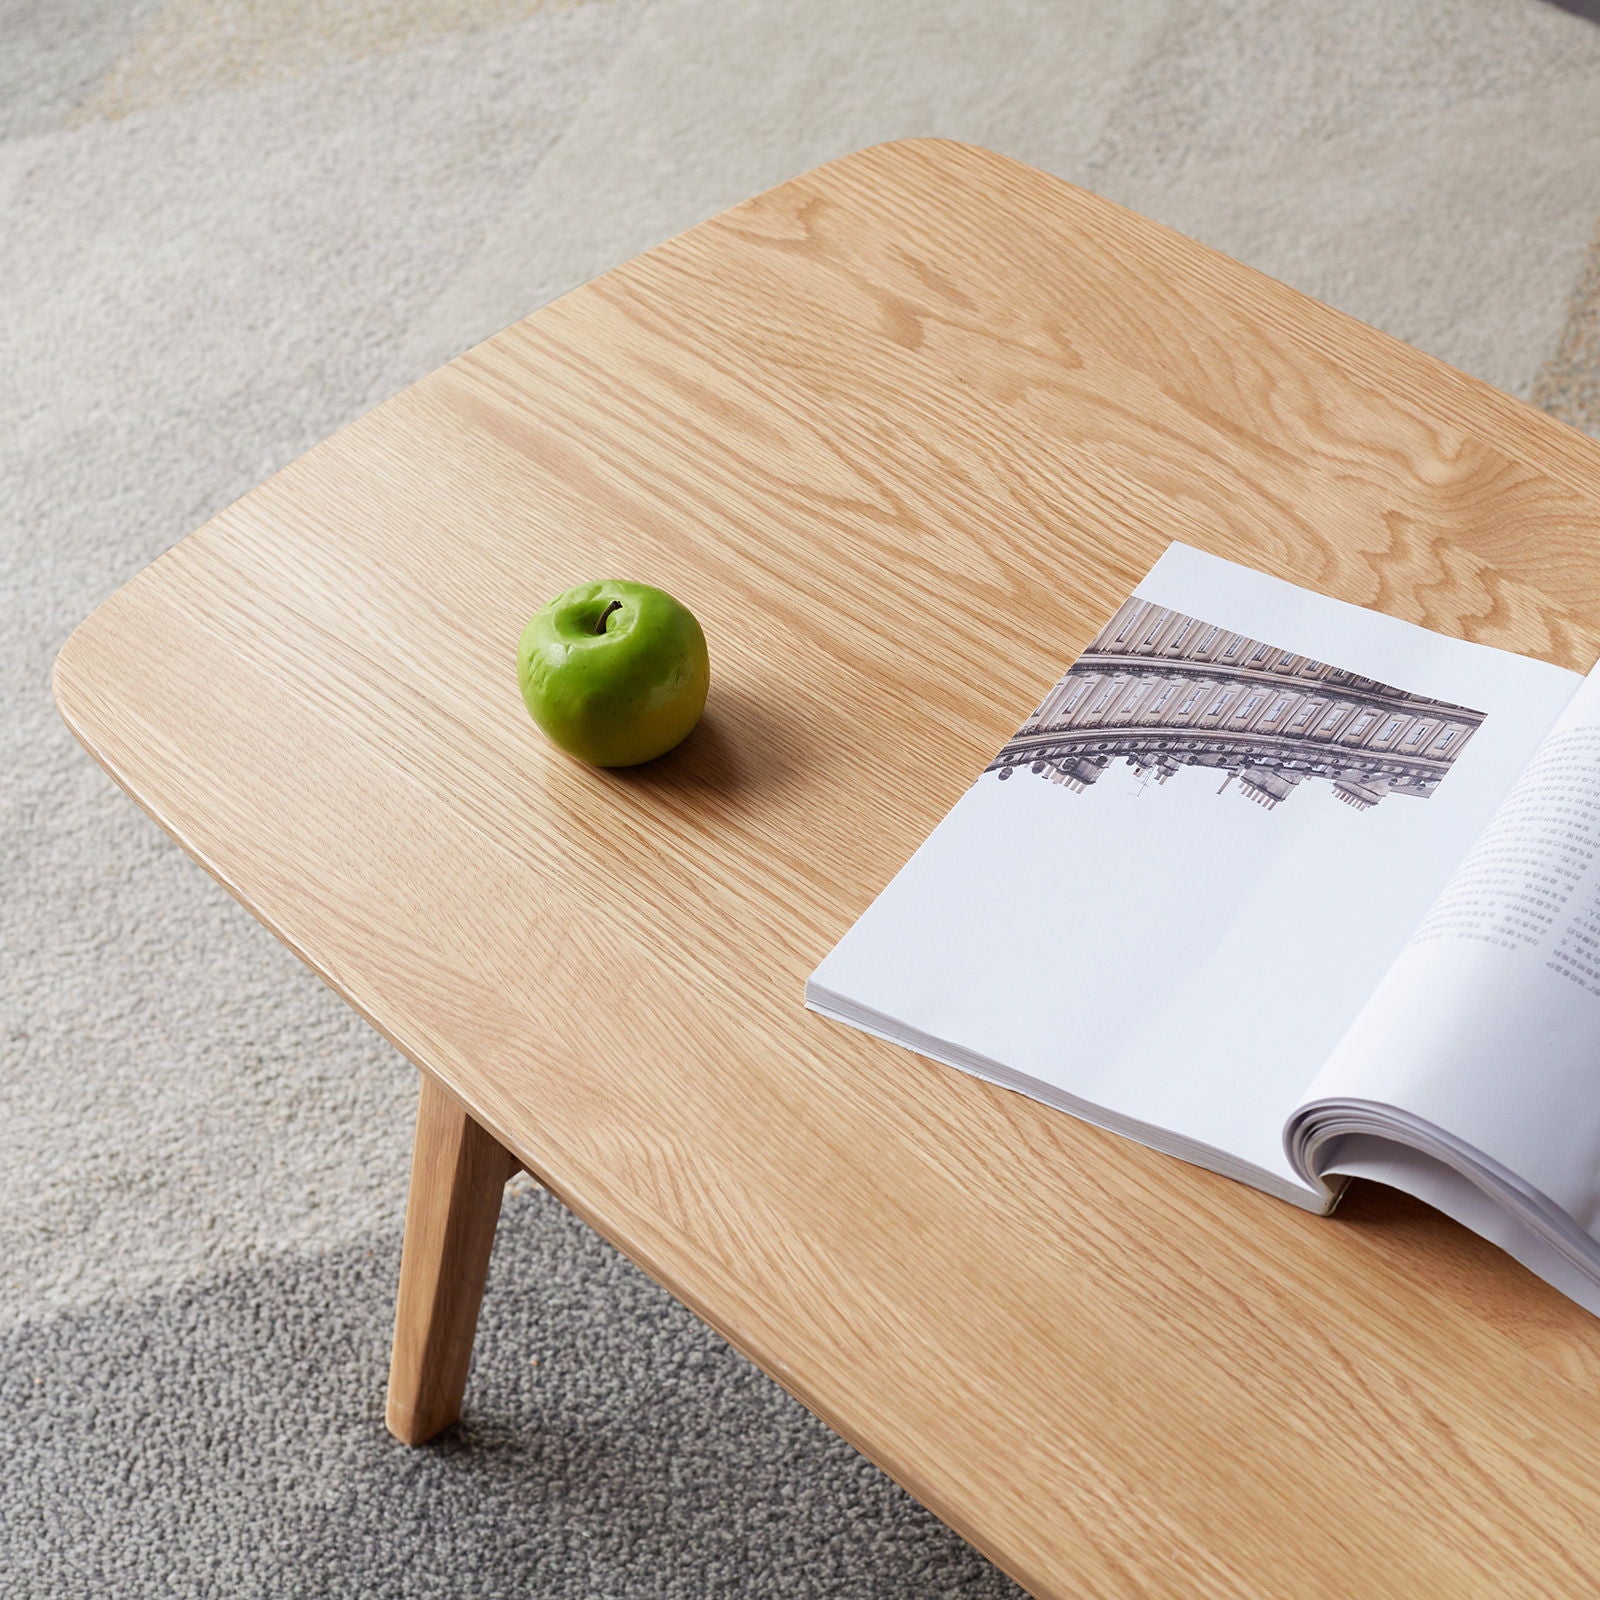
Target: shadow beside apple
[{"x": 736, "y": 751}]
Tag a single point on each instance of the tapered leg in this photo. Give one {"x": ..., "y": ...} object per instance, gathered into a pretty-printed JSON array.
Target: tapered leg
[{"x": 458, "y": 1173}]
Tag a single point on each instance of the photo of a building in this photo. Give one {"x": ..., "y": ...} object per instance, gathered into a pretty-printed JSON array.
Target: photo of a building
[{"x": 1163, "y": 691}]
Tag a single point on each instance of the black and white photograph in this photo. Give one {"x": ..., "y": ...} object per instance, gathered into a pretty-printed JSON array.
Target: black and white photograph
[{"x": 1160, "y": 691}]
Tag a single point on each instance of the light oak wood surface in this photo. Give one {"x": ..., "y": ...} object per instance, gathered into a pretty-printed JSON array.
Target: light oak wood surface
[
  {"x": 902, "y": 432},
  {"x": 458, "y": 1176}
]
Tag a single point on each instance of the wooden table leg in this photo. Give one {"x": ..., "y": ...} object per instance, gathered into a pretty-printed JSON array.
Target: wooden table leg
[{"x": 458, "y": 1173}]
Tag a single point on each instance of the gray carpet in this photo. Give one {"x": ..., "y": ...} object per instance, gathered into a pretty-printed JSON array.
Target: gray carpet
[
  {"x": 231, "y": 225},
  {"x": 224, "y": 1438}
]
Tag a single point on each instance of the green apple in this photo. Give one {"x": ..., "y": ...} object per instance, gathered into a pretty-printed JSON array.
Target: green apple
[{"x": 616, "y": 673}]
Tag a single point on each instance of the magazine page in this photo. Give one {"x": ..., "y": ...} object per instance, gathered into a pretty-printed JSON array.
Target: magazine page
[
  {"x": 1469, "y": 1077},
  {"x": 1166, "y": 899}
]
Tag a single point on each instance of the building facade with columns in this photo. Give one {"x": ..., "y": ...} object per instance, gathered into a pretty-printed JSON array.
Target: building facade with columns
[{"x": 1161, "y": 691}]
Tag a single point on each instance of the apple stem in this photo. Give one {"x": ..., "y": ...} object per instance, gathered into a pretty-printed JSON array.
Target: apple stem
[{"x": 605, "y": 616}]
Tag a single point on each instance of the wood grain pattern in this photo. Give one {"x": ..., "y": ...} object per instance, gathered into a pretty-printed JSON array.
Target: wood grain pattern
[
  {"x": 903, "y": 432},
  {"x": 458, "y": 1176}
]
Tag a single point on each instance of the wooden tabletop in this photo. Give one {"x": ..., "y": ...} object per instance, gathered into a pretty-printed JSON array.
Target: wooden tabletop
[{"x": 903, "y": 433}]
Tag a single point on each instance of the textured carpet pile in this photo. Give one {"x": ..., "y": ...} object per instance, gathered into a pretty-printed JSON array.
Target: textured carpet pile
[{"x": 229, "y": 227}]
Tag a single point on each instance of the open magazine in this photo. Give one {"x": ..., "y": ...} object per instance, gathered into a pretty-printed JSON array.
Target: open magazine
[{"x": 1287, "y": 888}]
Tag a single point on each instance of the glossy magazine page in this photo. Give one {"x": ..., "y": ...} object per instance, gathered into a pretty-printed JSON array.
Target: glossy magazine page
[
  {"x": 1479, "y": 1050},
  {"x": 1171, "y": 893}
]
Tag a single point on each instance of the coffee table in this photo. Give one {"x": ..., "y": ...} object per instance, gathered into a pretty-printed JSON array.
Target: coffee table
[{"x": 903, "y": 432}]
